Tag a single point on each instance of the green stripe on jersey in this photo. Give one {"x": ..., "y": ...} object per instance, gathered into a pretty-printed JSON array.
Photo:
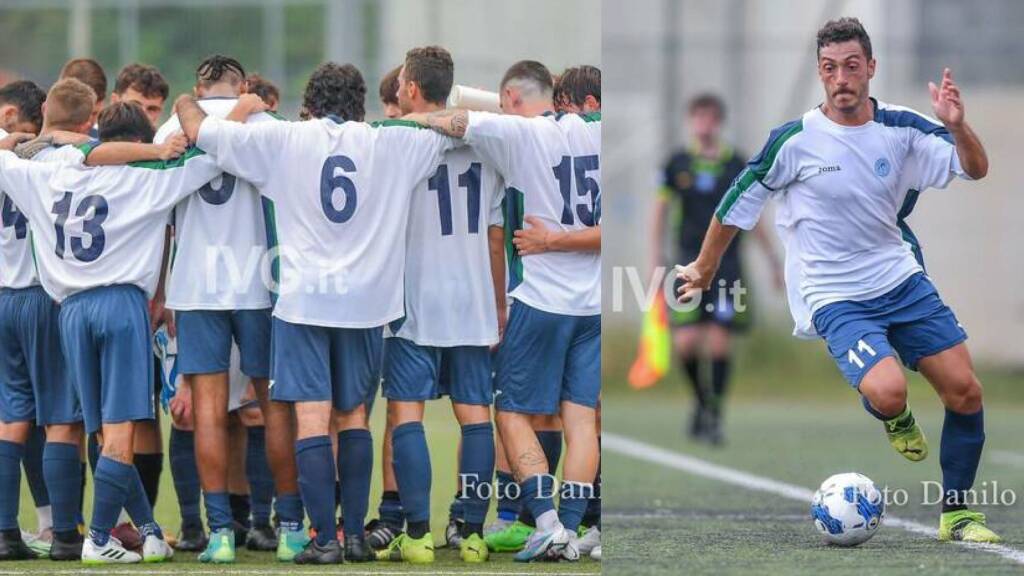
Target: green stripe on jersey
[
  {"x": 270, "y": 227},
  {"x": 750, "y": 175},
  {"x": 395, "y": 122},
  {"x": 274, "y": 114},
  {"x": 513, "y": 207},
  {"x": 591, "y": 117},
  {"x": 88, "y": 147},
  {"x": 168, "y": 164}
]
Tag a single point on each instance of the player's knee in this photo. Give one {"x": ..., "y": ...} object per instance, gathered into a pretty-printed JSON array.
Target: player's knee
[
  {"x": 965, "y": 395},
  {"x": 888, "y": 397},
  {"x": 351, "y": 419}
]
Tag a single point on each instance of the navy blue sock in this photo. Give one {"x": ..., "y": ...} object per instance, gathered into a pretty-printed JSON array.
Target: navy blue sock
[
  {"x": 355, "y": 467},
  {"x": 508, "y": 501},
  {"x": 551, "y": 444},
  {"x": 963, "y": 436},
  {"x": 33, "y": 464},
  {"x": 316, "y": 483},
  {"x": 573, "y": 503},
  {"x": 536, "y": 494},
  {"x": 592, "y": 517},
  {"x": 218, "y": 510},
  {"x": 390, "y": 510},
  {"x": 62, "y": 470},
  {"x": 11, "y": 454},
  {"x": 476, "y": 467},
  {"x": 138, "y": 507},
  {"x": 150, "y": 466},
  {"x": 288, "y": 508},
  {"x": 186, "y": 476},
  {"x": 112, "y": 483},
  {"x": 92, "y": 451},
  {"x": 412, "y": 470},
  {"x": 257, "y": 472},
  {"x": 241, "y": 507}
]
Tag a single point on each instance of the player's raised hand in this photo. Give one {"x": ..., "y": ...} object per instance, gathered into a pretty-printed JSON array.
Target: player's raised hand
[
  {"x": 174, "y": 146},
  {"x": 694, "y": 281},
  {"x": 946, "y": 102}
]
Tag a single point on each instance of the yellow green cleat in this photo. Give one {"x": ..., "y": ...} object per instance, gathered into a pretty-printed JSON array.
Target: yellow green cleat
[
  {"x": 906, "y": 436},
  {"x": 966, "y": 526},
  {"x": 404, "y": 548},
  {"x": 473, "y": 549},
  {"x": 512, "y": 539}
]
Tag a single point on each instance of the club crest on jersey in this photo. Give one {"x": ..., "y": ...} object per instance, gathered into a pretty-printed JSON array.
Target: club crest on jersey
[{"x": 882, "y": 167}]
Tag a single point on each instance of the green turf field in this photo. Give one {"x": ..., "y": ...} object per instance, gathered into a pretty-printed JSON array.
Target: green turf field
[
  {"x": 794, "y": 421},
  {"x": 443, "y": 436}
]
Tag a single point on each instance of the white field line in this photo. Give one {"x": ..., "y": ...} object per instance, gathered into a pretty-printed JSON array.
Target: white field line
[
  {"x": 649, "y": 453},
  {"x": 1007, "y": 458}
]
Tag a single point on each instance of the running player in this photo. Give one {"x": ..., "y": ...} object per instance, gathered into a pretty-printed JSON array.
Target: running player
[
  {"x": 851, "y": 277},
  {"x": 340, "y": 190}
]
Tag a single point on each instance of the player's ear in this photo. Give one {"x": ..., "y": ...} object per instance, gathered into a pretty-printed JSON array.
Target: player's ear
[
  {"x": 590, "y": 104},
  {"x": 871, "y": 68}
]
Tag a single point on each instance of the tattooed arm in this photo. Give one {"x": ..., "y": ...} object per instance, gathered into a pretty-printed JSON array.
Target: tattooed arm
[{"x": 450, "y": 122}]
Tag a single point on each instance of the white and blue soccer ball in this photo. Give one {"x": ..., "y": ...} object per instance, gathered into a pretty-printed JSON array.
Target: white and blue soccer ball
[{"x": 848, "y": 509}]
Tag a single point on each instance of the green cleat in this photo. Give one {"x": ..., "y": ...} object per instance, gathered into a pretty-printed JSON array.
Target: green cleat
[
  {"x": 290, "y": 543},
  {"x": 511, "y": 539},
  {"x": 405, "y": 548},
  {"x": 966, "y": 526},
  {"x": 221, "y": 547},
  {"x": 473, "y": 549},
  {"x": 906, "y": 437}
]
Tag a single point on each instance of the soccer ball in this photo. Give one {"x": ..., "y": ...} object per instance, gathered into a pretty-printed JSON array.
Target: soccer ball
[{"x": 847, "y": 509}]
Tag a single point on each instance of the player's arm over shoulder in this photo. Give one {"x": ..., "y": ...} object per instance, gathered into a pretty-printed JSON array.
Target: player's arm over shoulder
[
  {"x": 22, "y": 179},
  {"x": 421, "y": 147},
  {"x": 251, "y": 151}
]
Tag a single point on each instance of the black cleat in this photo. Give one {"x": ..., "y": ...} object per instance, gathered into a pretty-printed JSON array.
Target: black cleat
[
  {"x": 192, "y": 539},
  {"x": 61, "y": 551},
  {"x": 329, "y": 553},
  {"x": 12, "y": 547},
  {"x": 262, "y": 538},
  {"x": 698, "y": 426},
  {"x": 380, "y": 535},
  {"x": 356, "y": 549}
]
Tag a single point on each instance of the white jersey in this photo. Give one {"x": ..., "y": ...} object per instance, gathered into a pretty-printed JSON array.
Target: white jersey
[
  {"x": 17, "y": 264},
  {"x": 220, "y": 236},
  {"x": 544, "y": 177},
  {"x": 340, "y": 197},
  {"x": 449, "y": 293},
  {"x": 840, "y": 191},
  {"x": 100, "y": 226}
]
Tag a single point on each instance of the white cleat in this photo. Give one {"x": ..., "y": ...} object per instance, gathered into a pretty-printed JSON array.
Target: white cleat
[
  {"x": 596, "y": 553},
  {"x": 156, "y": 549},
  {"x": 570, "y": 552},
  {"x": 591, "y": 539},
  {"x": 111, "y": 553}
]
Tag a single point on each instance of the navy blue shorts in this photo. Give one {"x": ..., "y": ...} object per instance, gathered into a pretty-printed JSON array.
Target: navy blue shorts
[
  {"x": 109, "y": 354},
  {"x": 545, "y": 359},
  {"x": 910, "y": 321},
  {"x": 414, "y": 373},
  {"x": 319, "y": 363},
  {"x": 33, "y": 382},
  {"x": 204, "y": 341}
]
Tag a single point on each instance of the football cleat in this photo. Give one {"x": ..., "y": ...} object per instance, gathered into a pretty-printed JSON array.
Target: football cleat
[
  {"x": 61, "y": 551},
  {"x": 112, "y": 553},
  {"x": 191, "y": 539},
  {"x": 589, "y": 539},
  {"x": 314, "y": 553},
  {"x": 156, "y": 549},
  {"x": 290, "y": 543},
  {"x": 405, "y": 548},
  {"x": 221, "y": 547},
  {"x": 262, "y": 538},
  {"x": 906, "y": 436},
  {"x": 595, "y": 554},
  {"x": 552, "y": 545},
  {"x": 473, "y": 549},
  {"x": 966, "y": 526},
  {"x": 13, "y": 547},
  {"x": 379, "y": 535},
  {"x": 356, "y": 549},
  {"x": 511, "y": 539},
  {"x": 453, "y": 534},
  {"x": 39, "y": 543}
]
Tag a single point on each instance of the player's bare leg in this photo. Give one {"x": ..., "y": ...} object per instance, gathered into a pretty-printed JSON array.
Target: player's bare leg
[
  {"x": 210, "y": 414},
  {"x": 582, "y": 457},
  {"x": 884, "y": 394},
  {"x": 951, "y": 373},
  {"x": 354, "y": 472}
]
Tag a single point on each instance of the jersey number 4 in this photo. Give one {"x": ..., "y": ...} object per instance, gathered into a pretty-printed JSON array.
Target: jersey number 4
[
  {"x": 93, "y": 226},
  {"x": 470, "y": 180},
  {"x": 10, "y": 216},
  {"x": 589, "y": 212}
]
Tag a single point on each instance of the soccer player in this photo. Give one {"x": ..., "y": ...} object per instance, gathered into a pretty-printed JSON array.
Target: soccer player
[
  {"x": 91, "y": 73},
  {"x": 145, "y": 86},
  {"x": 838, "y": 176},
  {"x": 99, "y": 265},
  {"x": 388, "y": 92},
  {"x": 219, "y": 298},
  {"x": 265, "y": 89},
  {"x": 441, "y": 346},
  {"x": 694, "y": 180},
  {"x": 549, "y": 359},
  {"x": 340, "y": 190}
]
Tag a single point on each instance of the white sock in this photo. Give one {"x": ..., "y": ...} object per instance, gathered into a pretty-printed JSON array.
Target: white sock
[
  {"x": 548, "y": 521},
  {"x": 44, "y": 518}
]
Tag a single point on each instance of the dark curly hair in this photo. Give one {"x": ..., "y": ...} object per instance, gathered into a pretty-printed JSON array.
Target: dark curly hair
[
  {"x": 125, "y": 122},
  {"x": 844, "y": 30},
  {"x": 576, "y": 83},
  {"x": 219, "y": 68},
  {"x": 430, "y": 67},
  {"x": 335, "y": 90},
  {"x": 147, "y": 80},
  {"x": 28, "y": 98}
]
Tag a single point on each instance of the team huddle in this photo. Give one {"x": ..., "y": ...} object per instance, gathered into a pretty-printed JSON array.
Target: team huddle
[{"x": 290, "y": 270}]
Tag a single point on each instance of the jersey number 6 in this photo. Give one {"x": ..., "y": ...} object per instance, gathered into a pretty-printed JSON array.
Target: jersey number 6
[{"x": 329, "y": 182}]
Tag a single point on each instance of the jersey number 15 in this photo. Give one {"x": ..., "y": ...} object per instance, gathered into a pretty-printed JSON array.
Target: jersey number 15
[{"x": 589, "y": 213}]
